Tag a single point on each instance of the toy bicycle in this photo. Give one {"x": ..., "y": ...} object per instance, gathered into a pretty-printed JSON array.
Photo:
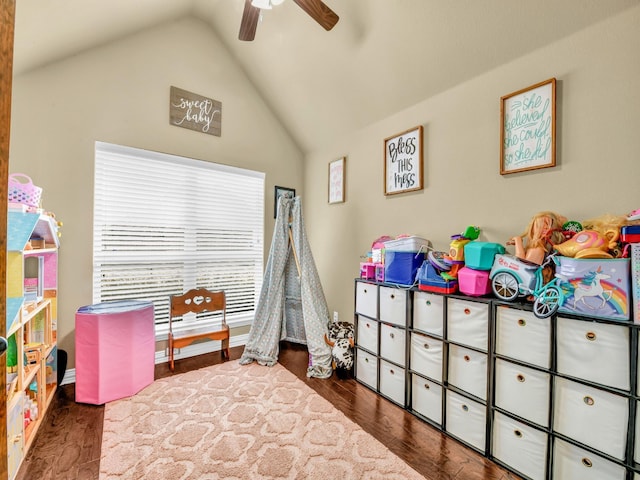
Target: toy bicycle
[{"x": 512, "y": 277}]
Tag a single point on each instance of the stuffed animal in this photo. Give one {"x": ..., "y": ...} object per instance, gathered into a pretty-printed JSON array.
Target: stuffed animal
[{"x": 341, "y": 341}]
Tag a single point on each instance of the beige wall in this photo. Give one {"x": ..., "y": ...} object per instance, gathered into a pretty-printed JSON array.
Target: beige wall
[
  {"x": 598, "y": 152},
  {"x": 120, "y": 94}
]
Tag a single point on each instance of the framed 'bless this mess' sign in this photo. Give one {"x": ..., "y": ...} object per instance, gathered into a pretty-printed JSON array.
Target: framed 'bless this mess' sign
[{"x": 403, "y": 162}]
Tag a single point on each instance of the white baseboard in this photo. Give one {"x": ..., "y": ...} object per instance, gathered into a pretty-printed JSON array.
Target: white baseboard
[{"x": 190, "y": 351}]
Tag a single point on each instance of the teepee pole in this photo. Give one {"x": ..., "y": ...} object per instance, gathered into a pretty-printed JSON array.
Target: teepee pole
[{"x": 293, "y": 247}]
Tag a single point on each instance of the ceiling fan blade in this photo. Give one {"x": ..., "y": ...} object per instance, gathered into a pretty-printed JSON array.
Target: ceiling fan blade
[
  {"x": 322, "y": 14},
  {"x": 249, "y": 22}
]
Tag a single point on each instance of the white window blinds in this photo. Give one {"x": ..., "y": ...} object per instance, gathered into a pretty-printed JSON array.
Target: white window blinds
[{"x": 164, "y": 224}]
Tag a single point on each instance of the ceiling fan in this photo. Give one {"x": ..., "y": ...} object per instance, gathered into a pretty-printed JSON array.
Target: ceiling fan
[{"x": 322, "y": 14}]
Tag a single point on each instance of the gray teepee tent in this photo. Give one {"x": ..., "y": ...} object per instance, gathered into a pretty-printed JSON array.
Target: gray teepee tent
[{"x": 292, "y": 305}]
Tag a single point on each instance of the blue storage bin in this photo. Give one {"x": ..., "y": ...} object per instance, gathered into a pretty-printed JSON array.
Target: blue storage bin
[{"x": 401, "y": 267}]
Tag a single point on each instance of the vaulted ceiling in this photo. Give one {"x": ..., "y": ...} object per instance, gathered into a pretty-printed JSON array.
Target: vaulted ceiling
[{"x": 381, "y": 57}]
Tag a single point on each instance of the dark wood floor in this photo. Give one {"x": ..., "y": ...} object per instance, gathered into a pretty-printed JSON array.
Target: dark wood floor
[{"x": 67, "y": 445}]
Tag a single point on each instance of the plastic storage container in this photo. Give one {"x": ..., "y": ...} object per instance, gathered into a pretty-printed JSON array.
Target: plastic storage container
[
  {"x": 479, "y": 255},
  {"x": 401, "y": 267},
  {"x": 407, "y": 244}
]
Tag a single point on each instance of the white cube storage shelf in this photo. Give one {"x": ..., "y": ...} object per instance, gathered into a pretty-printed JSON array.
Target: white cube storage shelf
[
  {"x": 573, "y": 462},
  {"x": 466, "y": 419},
  {"x": 392, "y": 382},
  {"x": 393, "y": 306},
  {"x": 636, "y": 453},
  {"x": 522, "y": 336},
  {"x": 367, "y": 368},
  {"x": 426, "y": 398},
  {"x": 426, "y": 356},
  {"x": 393, "y": 343},
  {"x": 468, "y": 323},
  {"x": 367, "y": 299},
  {"x": 591, "y": 416},
  {"x": 468, "y": 370},
  {"x": 520, "y": 446},
  {"x": 522, "y": 391},
  {"x": 367, "y": 334},
  {"x": 550, "y": 399},
  {"x": 428, "y": 313},
  {"x": 582, "y": 347}
]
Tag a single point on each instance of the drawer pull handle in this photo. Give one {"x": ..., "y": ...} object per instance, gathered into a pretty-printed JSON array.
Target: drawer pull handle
[
  {"x": 467, "y": 358},
  {"x": 520, "y": 378},
  {"x": 426, "y": 385},
  {"x": 589, "y": 400},
  {"x": 392, "y": 335},
  {"x": 517, "y": 433},
  {"x": 428, "y": 302},
  {"x": 591, "y": 336},
  {"x": 467, "y": 311},
  {"x": 368, "y": 325},
  {"x": 587, "y": 463},
  {"x": 465, "y": 408},
  {"x": 366, "y": 360},
  {"x": 522, "y": 322},
  {"x": 392, "y": 372},
  {"x": 426, "y": 346},
  {"x": 392, "y": 296}
]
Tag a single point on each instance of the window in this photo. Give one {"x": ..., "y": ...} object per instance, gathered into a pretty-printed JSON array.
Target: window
[{"x": 164, "y": 224}]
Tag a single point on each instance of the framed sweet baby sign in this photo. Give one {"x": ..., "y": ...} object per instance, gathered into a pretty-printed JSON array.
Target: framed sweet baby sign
[
  {"x": 403, "y": 162},
  {"x": 528, "y": 128}
]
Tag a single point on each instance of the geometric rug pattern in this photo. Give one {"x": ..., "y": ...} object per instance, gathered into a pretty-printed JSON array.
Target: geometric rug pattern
[{"x": 229, "y": 421}]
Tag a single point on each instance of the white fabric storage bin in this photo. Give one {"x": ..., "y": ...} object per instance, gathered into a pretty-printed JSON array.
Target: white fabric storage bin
[
  {"x": 367, "y": 368},
  {"x": 392, "y": 382},
  {"x": 591, "y": 416},
  {"x": 428, "y": 313},
  {"x": 523, "y": 391},
  {"x": 393, "y": 306},
  {"x": 426, "y": 398},
  {"x": 636, "y": 453},
  {"x": 522, "y": 336},
  {"x": 468, "y": 370},
  {"x": 426, "y": 356},
  {"x": 367, "y": 299},
  {"x": 393, "y": 343},
  {"x": 466, "y": 419},
  {"x": 574, "y": 463},
  {"x": 520, "y": 446},
  {"x": 368, "y": 334},
  {"x": 468, "y": 323},
  {"x": 597, "y": 352}
]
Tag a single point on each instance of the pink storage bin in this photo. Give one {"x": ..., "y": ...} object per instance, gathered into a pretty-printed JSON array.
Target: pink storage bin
[
  {"x": 472, "y": 282},
  {"x": 115, "y": 350}
]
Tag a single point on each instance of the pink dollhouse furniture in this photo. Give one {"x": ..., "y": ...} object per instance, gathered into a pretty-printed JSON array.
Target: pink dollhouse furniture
[{"x": 115, "y": 350}]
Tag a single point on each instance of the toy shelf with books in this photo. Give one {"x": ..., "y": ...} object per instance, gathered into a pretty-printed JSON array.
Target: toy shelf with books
[{"x": 32, "y": 261}]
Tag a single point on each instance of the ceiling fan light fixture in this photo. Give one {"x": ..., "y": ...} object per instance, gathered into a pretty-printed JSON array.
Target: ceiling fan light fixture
[{"x": 262, "y": 4}]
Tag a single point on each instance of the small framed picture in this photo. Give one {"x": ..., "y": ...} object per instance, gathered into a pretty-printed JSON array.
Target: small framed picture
[
  {"x": 278, "y": 192},
  {"x": 336, "y": 180},
  {"x": 528, "y": 128},
  {"x": 403, "y": 162}
]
